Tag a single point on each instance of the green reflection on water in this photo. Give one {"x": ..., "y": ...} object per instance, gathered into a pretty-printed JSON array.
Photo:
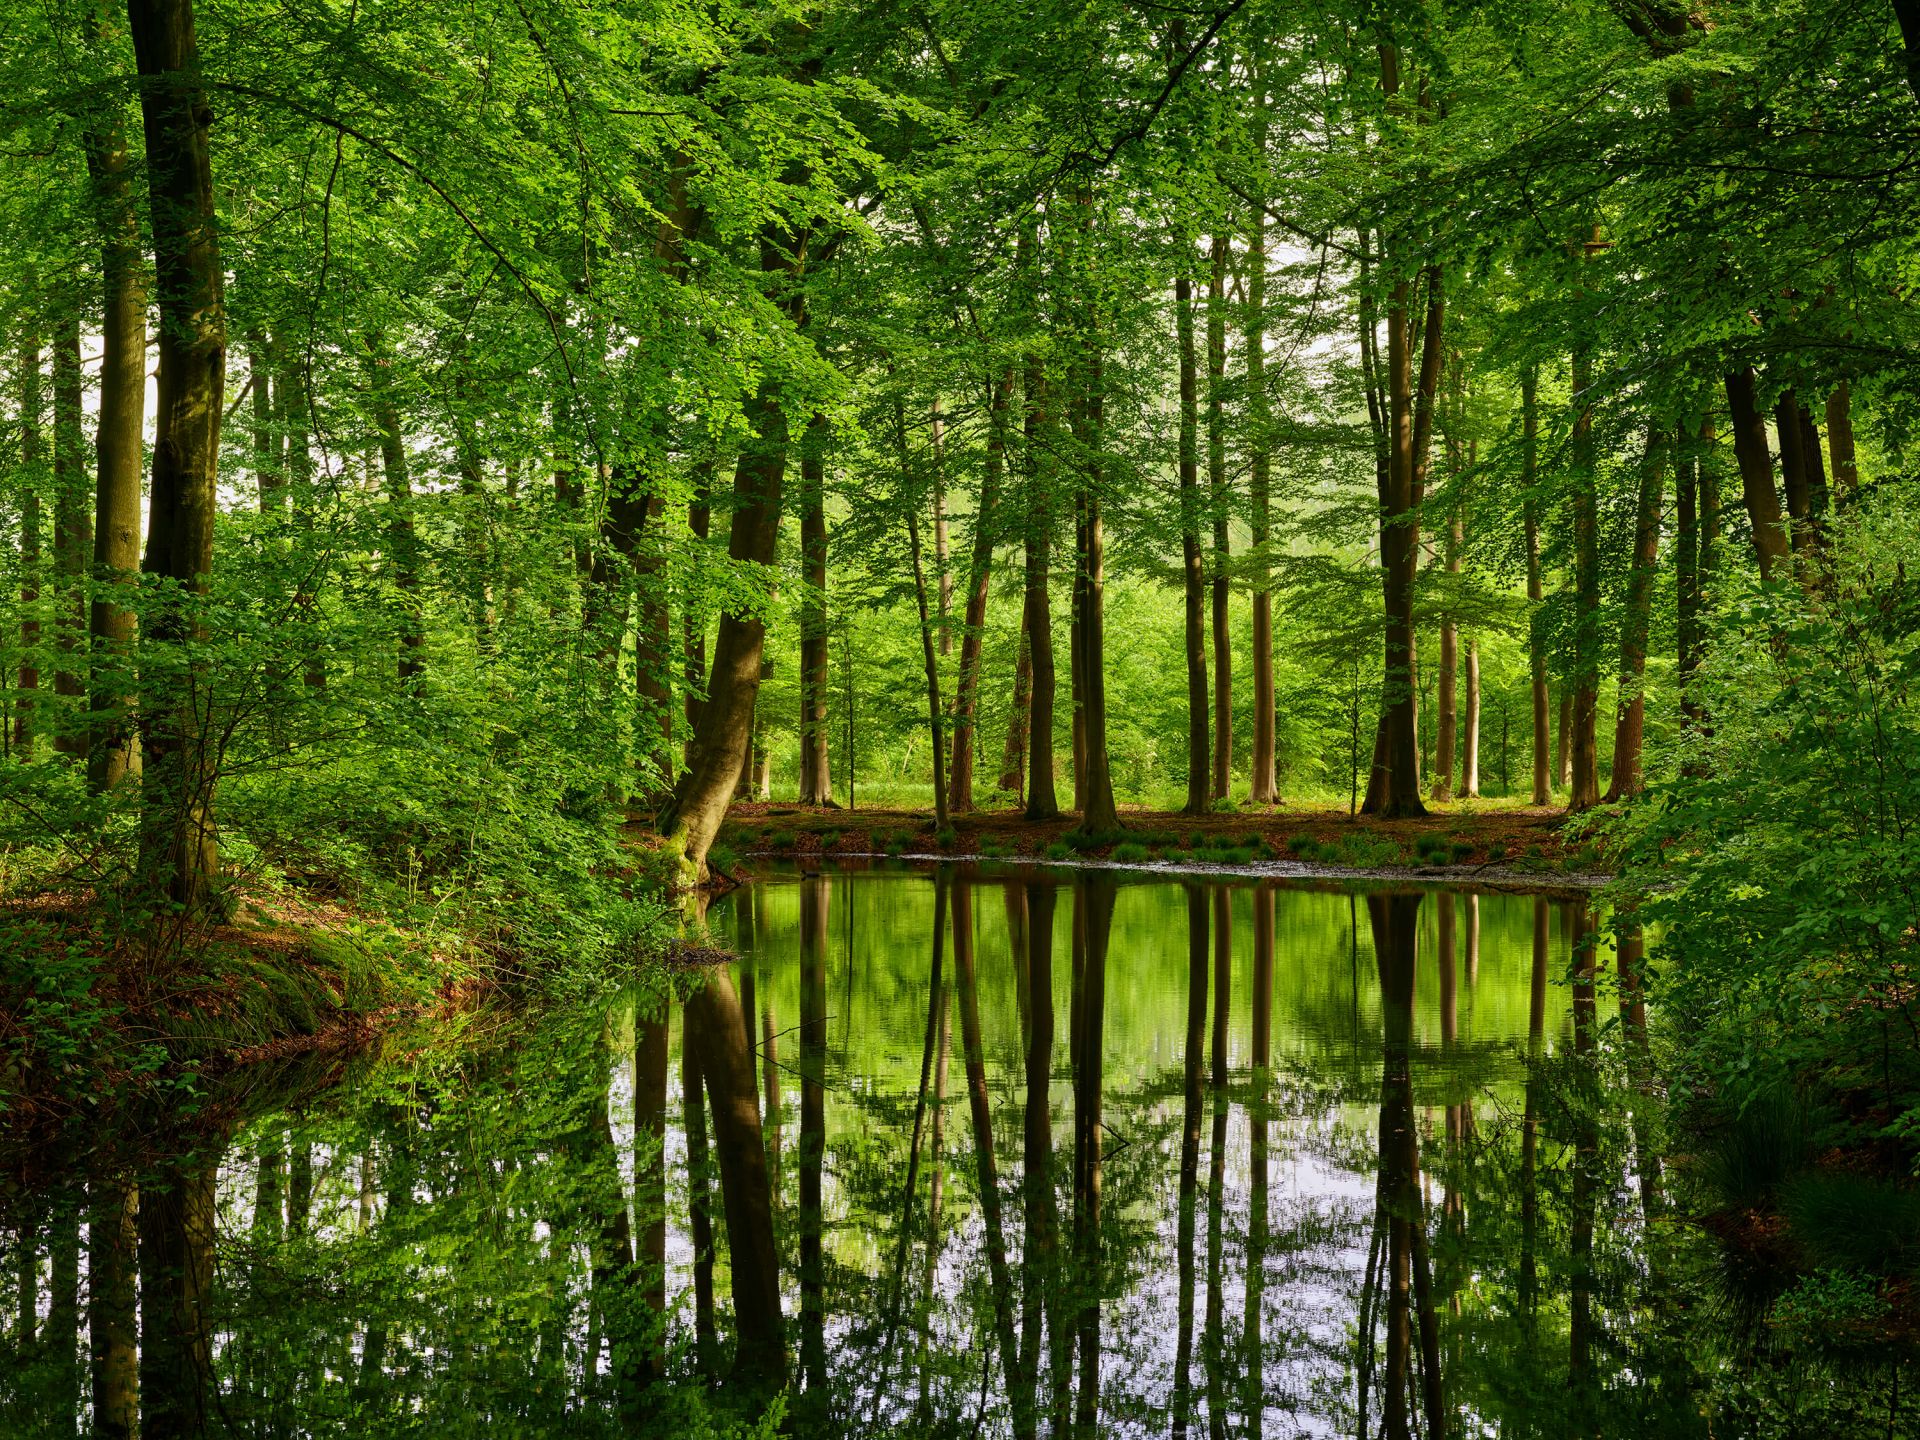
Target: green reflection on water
[{"x": 1295, "y": 1161}]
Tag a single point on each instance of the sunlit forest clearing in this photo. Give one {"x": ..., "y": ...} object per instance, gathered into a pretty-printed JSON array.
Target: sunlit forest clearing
[{"x": 1102, "y": 719}]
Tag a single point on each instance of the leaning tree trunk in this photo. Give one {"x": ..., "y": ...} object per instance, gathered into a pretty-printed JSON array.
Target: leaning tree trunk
[
  {"x": 1630, "y": 723},
  {"x": 725, "y": 726},
  {"x": 1536, "y": 641},
  {"x": 816, "y": 776},
  {"x": 1770, "y": 548},
  {"x": 1194, "y": 574},
  {"x": 979, "y": 567},
  {"x": 1217, "y": 500},
  {"x": 179, "y": 853}
]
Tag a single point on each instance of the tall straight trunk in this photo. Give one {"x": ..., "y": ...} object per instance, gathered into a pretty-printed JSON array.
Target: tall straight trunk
[
  {"x": 292, "y": 402},
  {"x": 717, "y": 1028},
  {"x": 1804, "y": 478},
  {"x": 72, "y": 541},
  {"x": 931, "y": 665},
  {"x": 1536, "y": 640},
  {"x": 1013, "y": 756},
  {"x": 650, "y": 1047},
  {"x": 1630, "y": 723},
  {"x": 113, "y": 1247},
  {"x": 1585, "y": 780},
  {"x": 693, "y": 1123},
  {"x": 176, "y": 1229},
  {"x": 1262, "y": 786},
  {"x": 32, "y": 400},
  {"x": 269, "y": 482},
  {"x": 1563, "y": 751},
  {"x": 979, "y": 566},
  {"x": 937, "y": 449},
  {"x": 1749, "y": 427},
  {"x": 1840, "y": 450},
  {"x": 1447, "y": 721},
  {"x": 653, "y": 653},
  {"x": 1217, "y": 500},
  {"x": 1470, "y": 725},
  {"x": 816, "y": 775},
  {"x": 693, "y": 626},
  {"x": 1040, "y": 1258},
  {"x": 403, "y": 542},
  {"x": 726, "y": 717},
  {"x": 179, "y": 853},
  {"x": 1098, "y": 815},
  {"x": 1194, "y": 571},
  {"x": 1042, "y": 800}
]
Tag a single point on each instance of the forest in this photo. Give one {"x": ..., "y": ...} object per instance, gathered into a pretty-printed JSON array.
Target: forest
[{"x": 486, "y": 491}]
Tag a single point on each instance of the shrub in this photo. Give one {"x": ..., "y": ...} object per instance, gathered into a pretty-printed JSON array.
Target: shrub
[{"x": 1131, "y": 853}]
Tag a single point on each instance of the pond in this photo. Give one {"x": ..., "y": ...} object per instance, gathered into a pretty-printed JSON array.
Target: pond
[{"x": 938, "y": 1153}]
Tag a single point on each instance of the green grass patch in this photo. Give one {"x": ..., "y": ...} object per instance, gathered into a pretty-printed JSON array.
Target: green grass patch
[{"x": 1131, "y": 853}]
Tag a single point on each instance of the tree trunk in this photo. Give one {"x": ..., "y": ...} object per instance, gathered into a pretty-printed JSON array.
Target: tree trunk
[
  {"x": 26, "y": 722},
  {"x": 937, "y": 447},
  {"x": 1470, "y": 737},
  {"x": 1194, "y": 583},
  {"x": 716, "y": 1027},
  {"x": 1042, "y": 801},
  {"x": 1756, "y": 473},
  {"x": 1563, "y": 752},
  {"x": 693, "y": 627},
  {"x": 1096, "y": 895},
  {"x": 1536, "y": 642},
  {"x": 178, "y": 849},
  {"x": 1630, "y": 723},
  {"x": 931, "y": 662},
  {"x": 1846, "y": 468},
  {"x": 1262, "y": 786},
  {"x": 113, "y": 1246},
  {"x": 1447, "y": 721},
  {"x": 1584, "y": 789},
  {"x": 816, "y": 775},
  {"x": 726, "y": 717},
  {"x": 814, "y": 902},
  {"x": 1218, "y": 501},
  {"x": 979, "y": 568},
  {"x": 1686, "y": 557},
  {"x": 1013, "y": 759},
  {"x": 269, "y": 481},
  {"x": 72, "y": 542}
]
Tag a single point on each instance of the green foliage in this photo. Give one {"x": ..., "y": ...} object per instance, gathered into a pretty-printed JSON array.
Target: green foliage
[{"x": 1854, "y": 1222}]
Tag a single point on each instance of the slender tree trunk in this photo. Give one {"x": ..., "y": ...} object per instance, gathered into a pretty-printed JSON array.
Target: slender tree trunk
[
  {"x": 937, "y": 445},
  {"x": 1098, "y": 815},
  {"x": 1013, "y": 759},
  {"x": 1262, "y": 787},
  {"x": 72, "y": 542},
  {"x": 814, "y": 905},
  {"x": 932, "y": 665},
  {"x": 1631, "y": 721},
  {"x": 693, "y": 1120},
  {"x": 1190, "y": 1154},
  {"x": 693, "y": 625},
  {"x": 1194, "y": 565},
  {"x": 1097, "y": 897},
  {"x": 1218, "y": 502},
  {"x": 26, "y": 722},
  {"x": 1448, "y": 718},
  {"x": 1585, "y": 781},
  {"x": 979, "y": 568},
  {"x": 816, "y": 775},
  {"x": 1470, "y": 737},
  {"x": 269, "y": 481},
  {"x": 1536, "y": 640},
  {"x": 1042, "y": 801},
  {"x": 1400, "y": 560},
  {"x": 650, "y": 1042},
  {"x": 182, "y": 760}
]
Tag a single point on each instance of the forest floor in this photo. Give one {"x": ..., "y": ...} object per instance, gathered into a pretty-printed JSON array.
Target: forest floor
[{"x": 1529, "y": 846}]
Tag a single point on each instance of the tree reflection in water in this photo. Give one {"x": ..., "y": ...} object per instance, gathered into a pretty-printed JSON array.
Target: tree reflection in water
[{"x": 1269, "y": 1184}]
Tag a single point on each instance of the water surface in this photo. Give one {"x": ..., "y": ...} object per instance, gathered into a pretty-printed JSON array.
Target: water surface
[{"x": 945, "y": 1152}]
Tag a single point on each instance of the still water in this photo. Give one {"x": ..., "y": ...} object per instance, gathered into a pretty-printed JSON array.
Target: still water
[{"x": 952, "y": 1153}]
